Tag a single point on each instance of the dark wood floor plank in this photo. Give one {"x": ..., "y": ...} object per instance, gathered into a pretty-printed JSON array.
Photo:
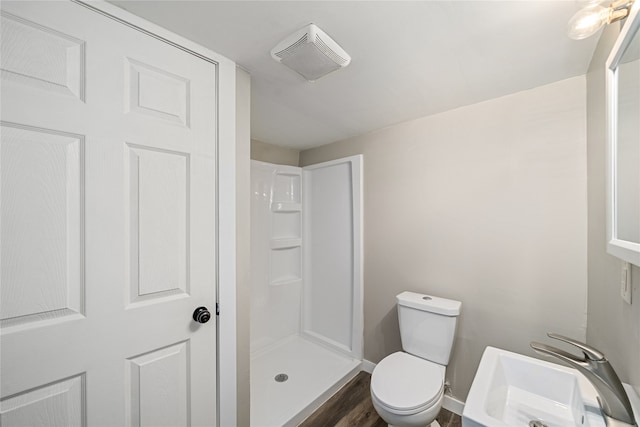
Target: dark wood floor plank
[
  {"x": 351, "y": 407},
  {"x": 332, "y": 411},
  {"x": 362, "y": 415}
]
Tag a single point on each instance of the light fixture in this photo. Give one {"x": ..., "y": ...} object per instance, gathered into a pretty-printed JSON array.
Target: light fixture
[
  {"x": 588, "y": 20},
  {"x": 311, "y": 53}
]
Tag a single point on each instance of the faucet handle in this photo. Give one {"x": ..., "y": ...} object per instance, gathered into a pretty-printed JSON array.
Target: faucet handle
[{"x": 589, "y": 352}]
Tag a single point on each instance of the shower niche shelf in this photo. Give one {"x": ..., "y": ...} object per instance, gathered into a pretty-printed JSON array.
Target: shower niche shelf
[
  {"x": 286, "y": 225},
  {"x": 284, "y": 282},
  {"x": 286, "y": 243},
  {"x": 286, "y": 228},
  {"x": 286, "y": 186},
  {"x": 286, "y": 266},
  {"x": 286, "y": 207}
]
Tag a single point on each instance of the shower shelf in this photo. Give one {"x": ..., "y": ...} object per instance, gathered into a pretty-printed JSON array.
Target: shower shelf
[
  {"x": 289, "y": 281},
  {"x": 286, "y": 207},
  {"x": 285, "y": 243}
]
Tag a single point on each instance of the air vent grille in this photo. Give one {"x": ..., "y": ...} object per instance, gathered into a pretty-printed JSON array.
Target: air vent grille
[
  {"x": 321, "y": 45},
  {"x": 291, "y": 49},
  {"x": 311, "y": 53}
]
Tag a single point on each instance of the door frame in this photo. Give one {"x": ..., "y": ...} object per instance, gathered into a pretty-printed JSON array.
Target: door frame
[{"x": 226, "y": 357}]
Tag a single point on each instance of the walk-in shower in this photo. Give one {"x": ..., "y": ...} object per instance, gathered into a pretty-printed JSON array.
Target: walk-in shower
[{"x": 306, "y": 286}]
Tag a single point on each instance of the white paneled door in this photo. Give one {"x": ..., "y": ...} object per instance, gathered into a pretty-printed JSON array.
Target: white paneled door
[{"x": 108, "y": 213}]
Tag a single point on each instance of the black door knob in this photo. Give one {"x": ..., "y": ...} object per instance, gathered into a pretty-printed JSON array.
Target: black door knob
[{"x": 201, "y": 315}]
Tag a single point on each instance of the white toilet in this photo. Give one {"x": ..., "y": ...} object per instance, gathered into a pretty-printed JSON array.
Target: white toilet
[{"x": 407, "y": 387}]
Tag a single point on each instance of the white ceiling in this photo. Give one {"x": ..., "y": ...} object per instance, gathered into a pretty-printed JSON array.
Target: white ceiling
[{"x": 409, "y": 58}]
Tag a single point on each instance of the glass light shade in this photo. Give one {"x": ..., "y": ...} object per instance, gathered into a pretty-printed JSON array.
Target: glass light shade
[{"x": 587, "y": 22}]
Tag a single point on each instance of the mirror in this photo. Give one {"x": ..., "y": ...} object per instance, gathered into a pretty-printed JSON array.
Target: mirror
[{"x": 623, "y": 121}]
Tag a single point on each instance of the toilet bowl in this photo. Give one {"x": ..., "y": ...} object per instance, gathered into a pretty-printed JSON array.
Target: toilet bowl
[
  {"x": 407, "y": 387},
  {"x": 407, "y": 391}
]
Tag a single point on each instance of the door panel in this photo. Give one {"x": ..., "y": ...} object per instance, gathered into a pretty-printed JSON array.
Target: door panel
[
  {"x": 157, "y": 93},
  {"x": 108, "y": 223},
  {"x": 58, "y": 404},
  {"x": 158, "y": 182},
  {"x": 42, "y": 57},
  {"x": 41, "y": 224},
  {"x": 159, "y": 386}
]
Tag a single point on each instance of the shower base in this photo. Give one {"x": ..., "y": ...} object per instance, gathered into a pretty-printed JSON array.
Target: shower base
[{"x": 313, "y": 373}]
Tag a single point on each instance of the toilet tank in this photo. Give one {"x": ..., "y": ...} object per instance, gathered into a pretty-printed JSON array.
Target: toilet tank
[{"x": 427, "y": 325}]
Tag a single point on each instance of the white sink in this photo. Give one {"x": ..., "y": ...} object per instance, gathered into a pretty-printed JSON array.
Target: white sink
[{"x": 511, "y": 389}]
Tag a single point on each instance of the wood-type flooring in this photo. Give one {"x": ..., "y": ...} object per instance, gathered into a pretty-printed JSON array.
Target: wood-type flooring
[{"x": 351, "y": 406}]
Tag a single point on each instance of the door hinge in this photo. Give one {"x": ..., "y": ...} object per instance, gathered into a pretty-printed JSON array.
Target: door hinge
[{"x": 217, "y": 309}]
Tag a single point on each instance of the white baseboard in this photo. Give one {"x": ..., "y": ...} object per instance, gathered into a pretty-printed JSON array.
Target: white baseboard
[
  {"x": 450, "y": 403},
  {"x": 367, "y": 366}
]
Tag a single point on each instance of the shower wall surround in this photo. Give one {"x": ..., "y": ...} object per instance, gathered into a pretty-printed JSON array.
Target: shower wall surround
[
  {"x": 306, "y": 286},
  {"x": 305, "y": 255},
  {"x": 276, "y": 253},
  {"x": 332, "y": 299}
]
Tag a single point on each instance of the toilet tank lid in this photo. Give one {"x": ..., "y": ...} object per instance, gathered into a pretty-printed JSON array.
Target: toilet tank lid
[{"x": 446, "y": 307}]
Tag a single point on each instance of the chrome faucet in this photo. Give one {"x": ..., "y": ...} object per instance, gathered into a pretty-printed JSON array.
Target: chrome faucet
[{"x": 612, "y": 398}]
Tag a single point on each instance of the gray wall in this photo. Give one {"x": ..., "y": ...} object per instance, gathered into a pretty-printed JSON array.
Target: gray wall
[
  {"x": 274, "y": 154},
  {"x": 243, "y": 193},
  {"x": 613, "y": 326},
  {"x": 486, "y": 204}
]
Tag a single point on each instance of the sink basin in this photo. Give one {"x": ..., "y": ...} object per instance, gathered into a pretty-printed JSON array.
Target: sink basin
[{"x": 511, "y": 389}]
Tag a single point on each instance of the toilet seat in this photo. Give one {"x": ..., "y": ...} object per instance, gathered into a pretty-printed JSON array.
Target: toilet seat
[{"x": 406, "y": 384}]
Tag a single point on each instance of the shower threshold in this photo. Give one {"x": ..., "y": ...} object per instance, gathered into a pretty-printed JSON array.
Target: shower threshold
[{"x": 313, "y": 374}]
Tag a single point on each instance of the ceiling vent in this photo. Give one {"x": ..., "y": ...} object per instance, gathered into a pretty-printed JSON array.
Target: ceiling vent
[{"x": 311, "y": 53}]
